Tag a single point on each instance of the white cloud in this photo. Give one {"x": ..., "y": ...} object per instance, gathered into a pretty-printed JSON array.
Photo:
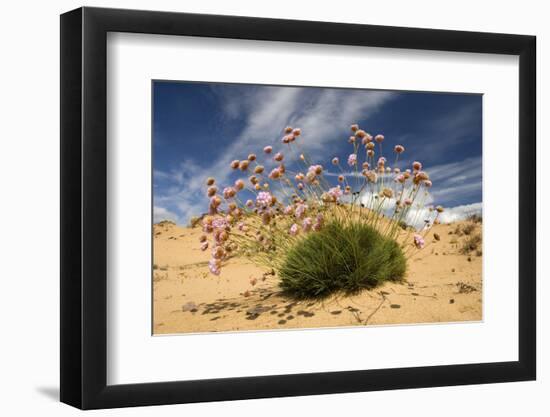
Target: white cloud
[
  {"x": 184, "y": 192},
  {"x": 341, "y": 108},
  {"x": 416, "y": 216},
  {"x": 458, "y": 213},
  {"x": 160, "y": 214},
  {"x": 420, "y": 211}
]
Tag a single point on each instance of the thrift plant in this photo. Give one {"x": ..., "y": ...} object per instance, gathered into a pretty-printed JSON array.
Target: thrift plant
[{"x": 317, "y": 234}]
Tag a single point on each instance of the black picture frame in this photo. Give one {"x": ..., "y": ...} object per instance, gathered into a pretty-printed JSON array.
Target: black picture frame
[{"x": 84, "y": 207}]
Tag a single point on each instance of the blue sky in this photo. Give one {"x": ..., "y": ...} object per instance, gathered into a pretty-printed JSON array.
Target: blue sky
[{"x": 199, "y": 128}]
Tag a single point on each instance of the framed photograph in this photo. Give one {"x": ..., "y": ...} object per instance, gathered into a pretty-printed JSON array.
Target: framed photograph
[{"x": 258, "y": 208}]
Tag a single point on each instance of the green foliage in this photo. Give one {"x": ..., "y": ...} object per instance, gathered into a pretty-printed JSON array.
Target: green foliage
[
  {"x": 468, "y": 229},
  {"x": 194, "y": 221},
  {"x": 340, "y": 257},
  {"x": 472, "y": 243},
  {"x": 475, "y": 218}
]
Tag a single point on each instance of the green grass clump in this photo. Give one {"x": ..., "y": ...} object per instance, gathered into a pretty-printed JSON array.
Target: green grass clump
[{"x": 340, "y": 257}]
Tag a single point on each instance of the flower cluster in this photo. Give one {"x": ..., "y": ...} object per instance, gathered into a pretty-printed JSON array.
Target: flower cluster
[{"x": 272, "y": 205}]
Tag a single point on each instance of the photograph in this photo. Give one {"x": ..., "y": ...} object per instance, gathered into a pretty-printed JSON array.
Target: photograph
[{"x": 292, "y": 207}]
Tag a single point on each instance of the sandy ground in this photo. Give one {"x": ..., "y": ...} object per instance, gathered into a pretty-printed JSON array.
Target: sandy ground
[{"x": 441, "y": 285}]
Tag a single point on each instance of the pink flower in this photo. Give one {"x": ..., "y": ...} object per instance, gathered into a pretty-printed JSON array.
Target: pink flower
[
  {"x": 239, "y": 185},
  {"x": 420, "y": 177},
  {"x": 306, "y": 224},
  {"x": 229, "y": 192},
  {"x": 315, "y": 169},
  {"x": 335, "y": 161},
  {"x": 207, "y": 226},
  {"x": 319, "y": 221},
  {"x": 243, "y": 165},
  {"x": 242, "y": 227},
  {"x": 399, "y": 149},
  {"x": 211, "y": 191},
  {"x": 218, "y": 252},
  {"x": 400, "y": 179},
  {"x": 381, "y": 161},
  {"x": 215, "y": 201},
  {"x": 289, "y": 210},
  {"x": 259, "y": 169},
  {"x": 417, "y": 166},
  {"x": 379, "y": 138},
  {"x": 214, "y": 266},
  {"x": 360, "y": 133},
  {"x": 418, "y": 241},
  {"x": 372, "y": 176},
  {"x": 220, "y": 223},
  {"x": 278, "y": 157},
  {"x": 275, "y": 174},
  {"x": 293, "y": 231},
  {"x": 352, "y": 159},
  {"x": 366, "y": 139},
  {"x": 300, "y": 186},
  {"x": 268, "y": 149},
  {"x": 249, "y": 203},
  {"x": 264, "y": 199},
  {"x": 288, "y": 138},
  {"x": 335, "y": 193},
  {"x": 237, "y": 213},
  {"x": 300, "y": 210},
  {"x": 204, "y": 246},
  {"x": 297, "y": 132},
  {"x": 427, "y": 183}
]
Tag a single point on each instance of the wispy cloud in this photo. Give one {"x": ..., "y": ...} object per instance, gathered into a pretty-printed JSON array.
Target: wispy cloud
[
  {"x": 321, "y": 113},
  {"x": 457, "y": 181}
]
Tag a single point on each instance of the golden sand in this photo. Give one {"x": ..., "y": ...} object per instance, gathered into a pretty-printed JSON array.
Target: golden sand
[{"x": 441, "y": 285}]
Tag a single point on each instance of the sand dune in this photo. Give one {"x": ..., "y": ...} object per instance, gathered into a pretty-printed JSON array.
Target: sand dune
[{"x": 441, "y": 285}]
